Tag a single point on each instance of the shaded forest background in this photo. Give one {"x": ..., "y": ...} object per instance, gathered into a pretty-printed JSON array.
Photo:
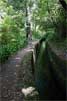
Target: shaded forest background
[{"x": 25, "y": 20}]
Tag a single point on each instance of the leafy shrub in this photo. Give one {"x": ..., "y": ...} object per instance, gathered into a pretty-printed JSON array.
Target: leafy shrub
[{"x": 12, "y": 38}]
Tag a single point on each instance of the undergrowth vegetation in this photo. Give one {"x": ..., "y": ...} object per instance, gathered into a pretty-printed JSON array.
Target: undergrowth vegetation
[{"x": 12, "y": 34}]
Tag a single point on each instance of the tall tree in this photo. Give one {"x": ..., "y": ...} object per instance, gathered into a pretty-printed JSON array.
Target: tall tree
[
  {"x": 63, "y": 3},
  {"x": 25, "y": 6}
]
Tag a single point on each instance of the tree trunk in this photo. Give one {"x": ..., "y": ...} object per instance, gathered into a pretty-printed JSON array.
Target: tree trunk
[
  {"x": 28, "y": 25},
  {"x": 63, "y": 26},
  {"x": 63, "y": 3}
]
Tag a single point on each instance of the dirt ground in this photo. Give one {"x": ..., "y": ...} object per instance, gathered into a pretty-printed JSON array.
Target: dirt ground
[{"x": 17, "y": 74}]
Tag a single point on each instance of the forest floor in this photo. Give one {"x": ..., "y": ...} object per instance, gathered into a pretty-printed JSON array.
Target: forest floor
[{"x": 17, "y": 81}]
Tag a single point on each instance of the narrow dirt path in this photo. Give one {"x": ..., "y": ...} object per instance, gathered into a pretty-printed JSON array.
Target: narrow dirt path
[{"x": 16, "y": 74}]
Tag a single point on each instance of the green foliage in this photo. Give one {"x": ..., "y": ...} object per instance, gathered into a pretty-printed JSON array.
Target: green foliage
[
  {"x": 37, "y": 34},
  {"x": 50, "y": 14},
  {"x": 47, "y": 17},
  {"x": 11, "y": 46},
  {"x": 12, "y": 34}
]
